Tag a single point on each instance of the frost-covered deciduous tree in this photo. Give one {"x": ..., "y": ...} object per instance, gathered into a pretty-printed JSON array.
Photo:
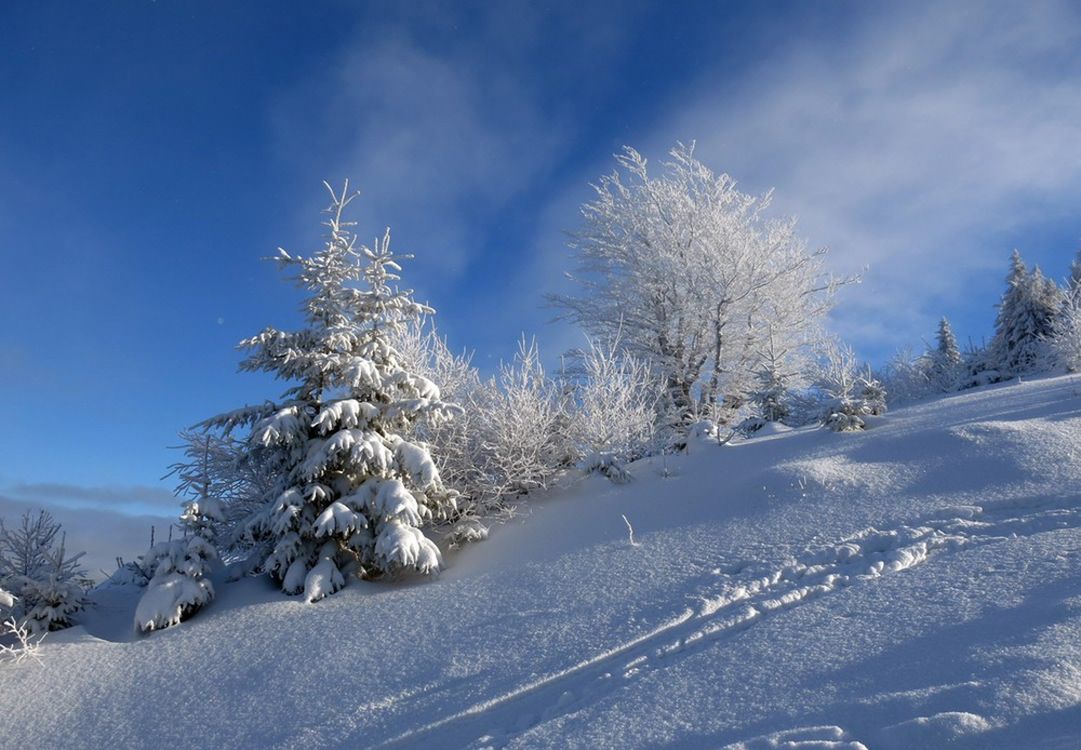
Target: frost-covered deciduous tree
[
  {"x": 1025, "y": 319},
  {"x": 689, "y": 273},
  {"x": 611, "y": 421},
  {"x": 1073, "y": 284},
  {"x": 906, "y": 377},
  {"x": 47, "y": 585},
  {"x": 222, "y": 482},
  {"x": 350, "y": 493}
]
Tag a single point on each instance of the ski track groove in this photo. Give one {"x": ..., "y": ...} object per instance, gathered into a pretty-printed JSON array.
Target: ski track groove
[{"x": 761, "y": 592}]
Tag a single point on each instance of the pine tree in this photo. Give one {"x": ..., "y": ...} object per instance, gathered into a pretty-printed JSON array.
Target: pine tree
[{"x": 350, "y": 494}]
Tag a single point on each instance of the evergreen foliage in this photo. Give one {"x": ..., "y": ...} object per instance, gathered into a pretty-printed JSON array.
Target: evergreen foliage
[
  {"x": 345, "y": 492},
  {"x": 1025, "y": 320}
]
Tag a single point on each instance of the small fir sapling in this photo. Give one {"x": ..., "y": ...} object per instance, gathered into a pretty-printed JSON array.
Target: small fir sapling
[
  {"x": 850, "y": 395},
  {"x": 770, "y": 398}
]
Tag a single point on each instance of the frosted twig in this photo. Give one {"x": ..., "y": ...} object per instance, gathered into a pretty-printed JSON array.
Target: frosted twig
[
  {"x": 630, "y": 532},
  {"x": 25, "y": 647}
]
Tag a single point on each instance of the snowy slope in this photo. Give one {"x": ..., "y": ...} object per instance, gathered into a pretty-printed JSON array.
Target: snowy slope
[{"x": 914, "y": 586}]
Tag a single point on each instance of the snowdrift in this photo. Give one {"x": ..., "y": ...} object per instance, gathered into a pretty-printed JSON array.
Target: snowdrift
[{"x": 917, "y": 585}]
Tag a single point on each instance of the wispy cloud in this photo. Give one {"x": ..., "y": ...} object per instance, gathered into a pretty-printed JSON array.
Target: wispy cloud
[
  {"x": 105, "y": 524},
  {"x": 124, "y": 500}
]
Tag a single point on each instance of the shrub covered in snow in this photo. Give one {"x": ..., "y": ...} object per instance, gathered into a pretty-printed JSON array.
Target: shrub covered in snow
[
  {"x": 179, "y": 584},
  {"x": 525, "y": 436},
  {"x": 611, "y": 416}
]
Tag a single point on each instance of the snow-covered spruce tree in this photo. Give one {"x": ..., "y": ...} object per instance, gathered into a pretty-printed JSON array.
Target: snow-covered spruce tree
[
  {"x": 350, "y": 493},
  {"x": 48, "y": 585},
  {"x": 1025, "y": 319},
  {"x": 178, "y": 570},
  {"x": 615, "y": 403},
  {"x": 689, "y": 273}
]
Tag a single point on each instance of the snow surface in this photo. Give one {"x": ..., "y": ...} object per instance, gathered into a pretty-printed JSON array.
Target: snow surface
[{"x": 917, "y": 585}]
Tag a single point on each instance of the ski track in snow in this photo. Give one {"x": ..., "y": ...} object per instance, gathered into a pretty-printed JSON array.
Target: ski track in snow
[{"x": 748, "y": 593}]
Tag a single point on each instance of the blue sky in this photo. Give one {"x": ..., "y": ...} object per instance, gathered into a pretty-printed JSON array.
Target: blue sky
[{"x": 152, "y": 152}]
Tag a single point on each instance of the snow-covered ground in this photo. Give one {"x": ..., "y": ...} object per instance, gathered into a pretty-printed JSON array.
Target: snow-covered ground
[{"x": 914, "y": 586}]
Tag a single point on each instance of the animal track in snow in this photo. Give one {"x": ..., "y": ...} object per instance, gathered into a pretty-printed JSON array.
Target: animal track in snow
[{"x": 750, "y": 592}]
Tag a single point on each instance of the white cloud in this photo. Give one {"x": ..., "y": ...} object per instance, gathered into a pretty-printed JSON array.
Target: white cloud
[{"x": 907, "y": 146}]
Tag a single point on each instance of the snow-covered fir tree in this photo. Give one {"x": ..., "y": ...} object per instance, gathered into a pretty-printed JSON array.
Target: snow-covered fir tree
[
  {"x": 46, "y": 584},
  {"x": 944, "y": 361},
  {"x": 1024, "y": 322},
  {"x": 872, "y": 393},
  {"x": 350, "y": 494}
]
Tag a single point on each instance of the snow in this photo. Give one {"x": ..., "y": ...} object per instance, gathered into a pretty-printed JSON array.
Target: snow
[{"x": 914, "y": 585}]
